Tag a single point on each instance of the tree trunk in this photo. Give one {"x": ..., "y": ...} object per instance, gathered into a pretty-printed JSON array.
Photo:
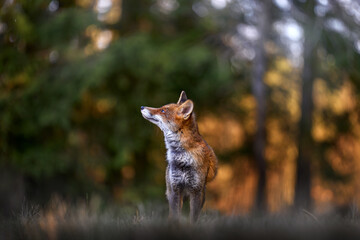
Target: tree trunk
[
  {"x": 303, "y": 168},
  {"x": 12, "y": 191},
  {"x": 258, "y": 88}
]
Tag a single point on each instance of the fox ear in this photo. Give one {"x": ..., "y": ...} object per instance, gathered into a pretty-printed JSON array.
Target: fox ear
[
  {"x": 182, "y": 98},
  {"x": 187, "y": 108}
]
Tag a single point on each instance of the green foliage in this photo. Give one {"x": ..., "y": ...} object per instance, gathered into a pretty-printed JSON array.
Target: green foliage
[{"x": 65, "y": 111}]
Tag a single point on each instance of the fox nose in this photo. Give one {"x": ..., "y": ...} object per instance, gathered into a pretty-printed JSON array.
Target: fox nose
[{"x": 142, "y": 107}]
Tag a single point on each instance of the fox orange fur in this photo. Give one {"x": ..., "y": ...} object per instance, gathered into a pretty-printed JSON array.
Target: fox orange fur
[{"x": 191, "y": 161}]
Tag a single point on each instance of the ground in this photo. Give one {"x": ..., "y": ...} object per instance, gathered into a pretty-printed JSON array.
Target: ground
[{"x": 60, "y": 220}]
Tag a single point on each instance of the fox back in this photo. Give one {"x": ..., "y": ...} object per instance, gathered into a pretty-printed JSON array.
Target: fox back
[{"x": 191, "y": 161}]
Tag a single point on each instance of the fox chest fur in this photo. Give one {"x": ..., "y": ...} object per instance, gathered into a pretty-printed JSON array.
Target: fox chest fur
[{"x": 182, "y": 170}]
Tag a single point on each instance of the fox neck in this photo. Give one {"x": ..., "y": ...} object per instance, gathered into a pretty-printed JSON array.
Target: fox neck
[{"x": 185, "y": 137}]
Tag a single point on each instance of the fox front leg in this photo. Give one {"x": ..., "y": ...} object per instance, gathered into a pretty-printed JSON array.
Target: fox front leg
[
  {"x": 196, "y": 202},
  {"x": 175, "y": 204}
]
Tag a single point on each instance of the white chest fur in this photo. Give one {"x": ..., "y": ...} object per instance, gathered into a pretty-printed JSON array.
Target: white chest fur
[{"x": 182, "y": 166}]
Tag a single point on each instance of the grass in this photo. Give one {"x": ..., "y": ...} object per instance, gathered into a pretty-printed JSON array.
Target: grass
[{"x": 60, "y": 220}]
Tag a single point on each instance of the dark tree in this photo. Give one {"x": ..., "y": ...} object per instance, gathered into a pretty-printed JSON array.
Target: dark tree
[
  {"x": 312, "y": 31},
  {"x": 258, "y": 88}
]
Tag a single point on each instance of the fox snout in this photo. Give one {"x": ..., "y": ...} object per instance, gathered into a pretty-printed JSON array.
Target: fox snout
[{"x": 146, "y": 113}]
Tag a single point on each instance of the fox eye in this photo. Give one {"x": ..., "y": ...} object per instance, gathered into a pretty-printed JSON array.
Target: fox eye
[{"x": 162, "y": 110}]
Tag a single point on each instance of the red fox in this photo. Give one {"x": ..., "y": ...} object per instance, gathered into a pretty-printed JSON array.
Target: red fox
[{"x": 191, "y": 161}]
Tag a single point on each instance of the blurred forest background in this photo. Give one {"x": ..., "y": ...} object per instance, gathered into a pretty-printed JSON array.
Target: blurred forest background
[{"x": 276, "y": 88}]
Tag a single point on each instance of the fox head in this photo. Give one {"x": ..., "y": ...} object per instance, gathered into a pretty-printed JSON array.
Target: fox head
[{"x": 172, "y": 117}]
